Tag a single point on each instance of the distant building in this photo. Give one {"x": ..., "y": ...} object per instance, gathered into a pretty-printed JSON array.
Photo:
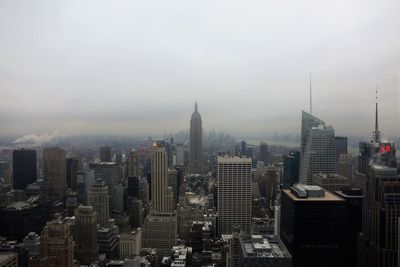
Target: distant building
[
  {"x": 73, "y": 165},
  {"x": 84, "y": 182},
  {"x": 107, "y": 171},
  {"x": 291, "y": 168},
  {"x": 105, "y": 154},
  {"x": 264, "y": 155},
  {"x": 130, "y": 244},
  {"x": 341, "y": 146},
  {"x": 313, "y": 226},
  {"x": 318, "y": 153},
  {"x": 86, "y": 247},
  {"x": 99, "y": 200},
  {"x": 8, "y": 259},
  {"x": 345, "y": 166},
  {"x": 24, "y": 168},
  {"x": 32, "y": 243},
  {"x": 331, "y": 182},
  {"x": 107, "y": 239},
  {"x": 54, "y": 172},
  {"x": 133, "y": 164},
  {"x": 57, "y": 245},
  {"x": 234, "y": 193},
  {"x": 159, "y": 177},
  {"x": 196, "y": 142}
]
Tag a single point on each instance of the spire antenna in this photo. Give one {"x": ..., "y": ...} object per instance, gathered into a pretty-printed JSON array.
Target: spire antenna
[
  {"x": 377, "y": 133},
  {"x": 310, "y": 95}
]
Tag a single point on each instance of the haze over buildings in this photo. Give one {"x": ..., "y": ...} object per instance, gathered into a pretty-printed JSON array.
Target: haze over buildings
[{"x": 94, "y": 67}]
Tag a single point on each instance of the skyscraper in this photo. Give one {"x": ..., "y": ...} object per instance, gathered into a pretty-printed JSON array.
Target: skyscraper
[
  {"x": 341, "y": 146},
  {"x": 291, "y": 167},
  {"x": 234, "y": 193},
  {"x": 318, "y": 153},
  {"x": 378, "y": 241},
  {"x": 159, "y": 178},
  {"x": 24, "y": 168},
  {"x": 196, "y": 142},
  {"x": 54, "y": 172},
  {"x": 264, "y": 156},
  {"x": 57, "y": 246},
  {"x": 99, "y": 200},
  {"x": 86, "y": 248},
  {"x": 105, "y": 154},
  {"x": 133, "y": 163},
  {"x": 73, "y": 165}
]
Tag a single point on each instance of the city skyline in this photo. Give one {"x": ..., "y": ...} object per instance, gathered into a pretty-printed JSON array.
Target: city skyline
[{"x": 94, "y": 70}]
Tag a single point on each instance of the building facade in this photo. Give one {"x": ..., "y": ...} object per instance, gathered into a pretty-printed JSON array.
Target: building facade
[{"x": 196, "y": 142}]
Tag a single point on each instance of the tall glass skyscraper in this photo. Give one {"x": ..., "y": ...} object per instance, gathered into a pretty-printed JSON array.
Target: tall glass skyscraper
[{"x": 318, "y": 148}]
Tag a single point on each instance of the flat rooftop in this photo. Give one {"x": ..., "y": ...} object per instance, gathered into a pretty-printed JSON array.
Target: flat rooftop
[
  {"x": 263, "y": 246},
  {"x": 328, "y": 197}
]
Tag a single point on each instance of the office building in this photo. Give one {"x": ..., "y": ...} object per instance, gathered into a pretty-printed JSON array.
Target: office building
[
  {"x": 105, "y": 154},
  {"x": 24, "y": 168},
  {"x": 234, "y": 193},
  {"x": 196, "y": 142},
  {"x": 99, "y": 200},
  {"x": 378, "y": 241},
  {"x": 345, "y": 166},
  {"x": 57, "y": 245},
  {"x": 331, "y": 182},
  {"x": 313, "y": 226},
  {"x": 32, "y": 243},
  {"x": 160, "y": 232},
  {"x": 107, "y": 239},
  {"x": 291, "y": 167},
  {"x": 159, "y": 179},
  {"x": 133, "y": 163},
  {"x": 264, "y": 155},
  {"x": 133, "y": 186},
  {"x": 318, "y": 154},
  {"x": 130, "y": 244},
  {"x": 180, "y": 155},
  {"x": 54, "y": 172},
  {"x": 73, "y": 165},
  {"x": 84, "y": 182},
  {"x": 86, "y": 247},
  {"x": 107, "y": 171},
  {"x": 341, "y": 146}
]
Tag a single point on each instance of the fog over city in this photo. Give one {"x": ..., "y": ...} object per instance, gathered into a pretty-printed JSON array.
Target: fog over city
[{"x": 137, "y": 67}]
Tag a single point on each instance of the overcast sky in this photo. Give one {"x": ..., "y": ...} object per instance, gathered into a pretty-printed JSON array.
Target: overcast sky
[{"x": 136, "y": 67}]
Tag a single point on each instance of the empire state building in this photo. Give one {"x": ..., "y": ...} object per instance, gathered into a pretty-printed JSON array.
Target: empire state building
[{"x": 196, "y": 142}]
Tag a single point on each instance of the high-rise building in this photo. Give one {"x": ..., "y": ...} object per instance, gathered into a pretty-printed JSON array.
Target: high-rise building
[
  {"x": 99, "y": 200},
  {"x": 72, "y": 165},
  {"x": 331, "y": 182},
  {"x": 84, "y": 179},
  {"x": 32, "y": 243},
  {"x": 234, "y": 193},
  {"x": 160, "y": 232},
  {"x": 291, "y": 168},
  {"x": 133, "y": 186},
  {"x": 133, "y": 163},
  {"x": 24, "y": 168},
  {"x": 57, "y": 245},
  {"x": 8, "y": 259},
  {"x": 378, "y": 241},
  {"x": 264, "y": 155},
  {"x": 105, "y": 154},
  {"x": 196, "y": 142},
  {"x": 341, "y": 146},
  {"x": 318, "y": 154},
  {"x": 86, "y": 247},
  {"x": 54, "y": 172},
  {"x": 130, "y": 244},
  {"x": 313, "y": 226},
  {"x": 180, "y": 155},
  {"x": 159, "y": 179}
]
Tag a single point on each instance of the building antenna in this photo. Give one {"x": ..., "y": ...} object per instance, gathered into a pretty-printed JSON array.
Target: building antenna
[
  {"x": 310, "y": 95},
  {"x": 377, "y": 133}
]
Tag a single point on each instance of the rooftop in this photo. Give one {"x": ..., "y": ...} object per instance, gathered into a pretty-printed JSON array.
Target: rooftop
[
  {"x": 328, "y": 197},
  {"x": 263, "y": 246}
]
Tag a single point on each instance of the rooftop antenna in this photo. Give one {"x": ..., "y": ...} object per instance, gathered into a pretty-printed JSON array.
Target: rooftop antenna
[
  {"x": 376, "y": 133},
  {"x": 310, "y": 95}
]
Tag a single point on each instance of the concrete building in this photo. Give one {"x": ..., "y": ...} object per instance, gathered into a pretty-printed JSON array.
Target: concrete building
[
  {"x": 160, "y": 232},
  {"x": 159, "y": 178},
  {"x": 57, "y": 245},
  {"x": 99, "y": 200},
  {"x": 331, "y": 182},
  {"x": 341, "y": 146},
  {"x": 133, "y": 163},
  {"x": 73, "y": 165},
  {"x": 54, "y": 172},
  {"x": 130, "y": 244},
  {"x": 8, "y": 259},
  {"x": 180, "y": 155},
  {"x": 196, "y": 142},
  {"x": 107, "y": 239},
  {"x": 345, "y": 166},
  {"x": 32, "y": 243},
  {"x": 264, "y": 155},
  {"x": 108, "y": 171},
  {"x": 86, "y": 247},
  {"x": 234, "y": 193},
  {"x": 318, "y": 153},
  {"x": 291, "y": 169}
]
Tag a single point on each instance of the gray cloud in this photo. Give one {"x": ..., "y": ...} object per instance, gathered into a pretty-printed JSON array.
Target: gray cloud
[{"x": 135, "y": 67}]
